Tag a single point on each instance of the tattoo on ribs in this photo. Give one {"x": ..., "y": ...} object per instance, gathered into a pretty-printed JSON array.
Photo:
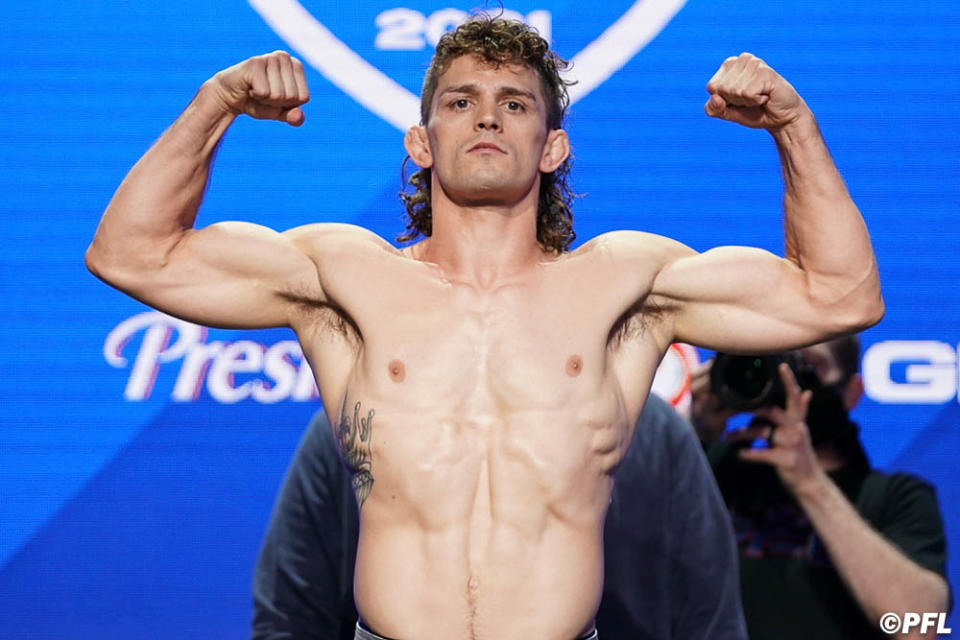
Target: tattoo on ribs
[{"x": 354, "y": 441}]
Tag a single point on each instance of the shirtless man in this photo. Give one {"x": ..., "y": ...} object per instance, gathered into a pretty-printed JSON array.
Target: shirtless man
[{"x": 484, "y": 381}]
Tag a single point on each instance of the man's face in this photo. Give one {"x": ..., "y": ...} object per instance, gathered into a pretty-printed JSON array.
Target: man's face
[
  {"x": 487, "y": 132},
  {"x": 821, "y": 358}
]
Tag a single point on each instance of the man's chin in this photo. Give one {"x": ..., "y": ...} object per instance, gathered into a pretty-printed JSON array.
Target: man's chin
[
  {"x": 478, "y": 203},
  {"x": 486, "y": 188},
  {"x": 489, "y": 197}
]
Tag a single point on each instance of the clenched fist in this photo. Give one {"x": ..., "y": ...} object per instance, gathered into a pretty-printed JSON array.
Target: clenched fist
[
  {"x": 267, "y": 87},
  {"x": 747, "y": 91}
]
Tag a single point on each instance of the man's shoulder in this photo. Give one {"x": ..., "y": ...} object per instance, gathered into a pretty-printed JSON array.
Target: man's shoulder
[
  {"x": 325, "y": 237},
  {"x": 891, "y": 498},
  {"x": 888, "y": 485},
  {"x": 904, "y": 508},
  {"x": 634, "y": 245}
]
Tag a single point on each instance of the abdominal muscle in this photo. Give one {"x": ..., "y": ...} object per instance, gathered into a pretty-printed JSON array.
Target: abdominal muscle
[{"x": 485, "y": 528}]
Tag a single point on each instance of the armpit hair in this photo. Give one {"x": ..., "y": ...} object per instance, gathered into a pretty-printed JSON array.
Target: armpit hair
[
  {"x": 635, "y": 321},
  {"x": 326, "y": 318}
]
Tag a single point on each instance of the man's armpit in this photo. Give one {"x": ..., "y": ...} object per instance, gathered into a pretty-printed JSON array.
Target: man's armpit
[{"x": 649, "y": 314}]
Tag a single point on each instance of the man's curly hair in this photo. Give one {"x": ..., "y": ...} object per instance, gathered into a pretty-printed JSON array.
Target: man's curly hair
[{"x": 499, "y": 41}]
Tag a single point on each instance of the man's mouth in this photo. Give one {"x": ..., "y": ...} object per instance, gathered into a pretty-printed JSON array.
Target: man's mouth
[{"x": 485, "y": 146}]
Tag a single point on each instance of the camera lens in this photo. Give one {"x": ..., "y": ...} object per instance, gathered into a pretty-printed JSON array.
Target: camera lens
[{"x": 747, "y": 382}]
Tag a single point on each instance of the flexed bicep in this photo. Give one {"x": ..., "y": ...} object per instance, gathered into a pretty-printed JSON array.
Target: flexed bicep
[
  {"x": 748, "y": 299},
  {"x": 228, "y": 274},
  {"x": 231, "y": 275},
  {"x": 744, "y": 299}
]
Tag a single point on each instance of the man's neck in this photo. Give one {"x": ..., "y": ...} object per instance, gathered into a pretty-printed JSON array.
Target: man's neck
[{"x": 483, "y": 245}]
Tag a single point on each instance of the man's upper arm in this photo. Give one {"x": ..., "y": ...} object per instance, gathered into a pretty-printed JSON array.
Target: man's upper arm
[
  {"x": 735, "y": 298},
  {"x": 235, "y": 274},
  {"x": 907, "y": 514},
  {"x": 910, "y": 519}
]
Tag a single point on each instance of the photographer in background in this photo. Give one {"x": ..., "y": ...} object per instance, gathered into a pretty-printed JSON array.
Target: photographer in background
[{"x": 827, "y": 545}]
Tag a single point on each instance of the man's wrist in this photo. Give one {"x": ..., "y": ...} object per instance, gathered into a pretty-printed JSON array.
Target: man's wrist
[
  {"x": 202, "y": 124},
  {"x": 814, "y": 488},
  {"x": 211, "y": 101},
  {"x": 799, "y": 131}
]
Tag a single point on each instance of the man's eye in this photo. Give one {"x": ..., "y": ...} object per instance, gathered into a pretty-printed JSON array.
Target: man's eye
[
  {"x": 461, "y": 103},
  {"x": 513, "y": 105}
]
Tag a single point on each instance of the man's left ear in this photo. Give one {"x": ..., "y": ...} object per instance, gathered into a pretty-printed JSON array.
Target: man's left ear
[{"x": 555, "y": 151}]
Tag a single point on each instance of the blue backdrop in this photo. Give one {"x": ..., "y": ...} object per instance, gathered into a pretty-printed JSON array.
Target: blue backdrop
[{"x": 139, "y": 456}]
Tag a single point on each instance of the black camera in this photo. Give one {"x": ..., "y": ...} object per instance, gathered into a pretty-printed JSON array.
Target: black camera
[{"x": 745, "y": 383}]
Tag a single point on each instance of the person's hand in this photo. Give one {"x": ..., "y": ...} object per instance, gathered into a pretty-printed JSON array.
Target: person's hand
[
  {"x": 747, "y": 91},
  {"x": 267, "y": 87},
  {"x": 790, "y": 451},
  {"x": 707, "y": 413}
]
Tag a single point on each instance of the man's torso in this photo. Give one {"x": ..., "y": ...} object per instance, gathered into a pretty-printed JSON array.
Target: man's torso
[{"x": 483, "y": 425}]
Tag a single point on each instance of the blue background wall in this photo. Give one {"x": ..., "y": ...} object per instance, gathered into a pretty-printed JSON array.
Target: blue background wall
[{"x": 139, "y": 515}]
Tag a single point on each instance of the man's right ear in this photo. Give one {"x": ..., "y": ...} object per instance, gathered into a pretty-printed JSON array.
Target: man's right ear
[
  {"x": 418, "y": 146},
  {"x": 852, "y": 391}
]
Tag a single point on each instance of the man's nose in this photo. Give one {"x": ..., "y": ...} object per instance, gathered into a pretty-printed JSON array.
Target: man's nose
[{"x": 488, "y": 119}]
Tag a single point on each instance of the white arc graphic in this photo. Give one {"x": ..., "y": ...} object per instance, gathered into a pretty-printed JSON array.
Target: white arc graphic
[{"x": 382, "y": 95}]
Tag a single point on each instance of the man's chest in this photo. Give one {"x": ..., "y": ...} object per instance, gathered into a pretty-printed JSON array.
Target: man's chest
[
  {"x": 534, "y": 342},
  {"x": 502, "y": 350}
]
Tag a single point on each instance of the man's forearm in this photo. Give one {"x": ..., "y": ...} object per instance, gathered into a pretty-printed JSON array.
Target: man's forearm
[
  {"x": 879, "y": 576},
  {"x": 825, "y": 233},
  {"x": 159, "y": 198}
]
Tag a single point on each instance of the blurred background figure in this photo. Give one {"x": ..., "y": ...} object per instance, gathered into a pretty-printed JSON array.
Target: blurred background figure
[{"x": 827, "y": 544}]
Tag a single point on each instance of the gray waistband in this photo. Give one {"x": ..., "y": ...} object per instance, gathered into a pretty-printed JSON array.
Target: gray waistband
[{"x": 363, "y": 634}]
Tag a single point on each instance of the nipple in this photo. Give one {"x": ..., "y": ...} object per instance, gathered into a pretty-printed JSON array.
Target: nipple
[
  {"x": 574, "y": 366},
  {"x": 396, "y": 370}
]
